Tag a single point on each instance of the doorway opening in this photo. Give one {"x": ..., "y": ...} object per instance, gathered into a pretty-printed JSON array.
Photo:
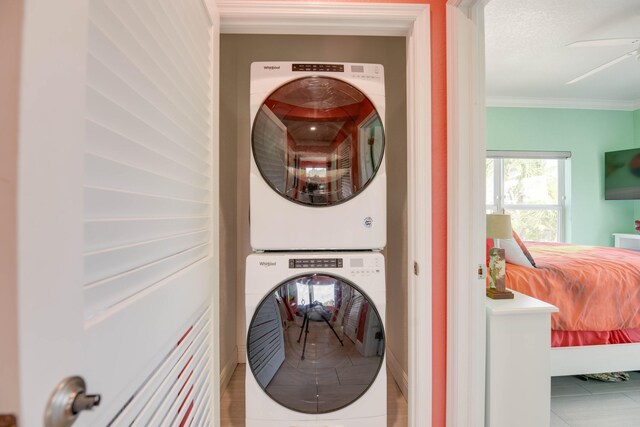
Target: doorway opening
[{"x": 237, "y": 52}]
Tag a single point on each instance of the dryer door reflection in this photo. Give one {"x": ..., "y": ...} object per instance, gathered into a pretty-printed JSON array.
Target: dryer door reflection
[
  {"x": 315, "y": 344},
  {"x": 317, "y": 141}
]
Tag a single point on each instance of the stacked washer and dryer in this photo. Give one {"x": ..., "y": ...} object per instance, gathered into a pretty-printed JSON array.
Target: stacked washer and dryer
[{"x": 315, "y": 284}]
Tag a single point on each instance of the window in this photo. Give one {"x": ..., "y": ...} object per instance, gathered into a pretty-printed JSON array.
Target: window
[{"x": 531, "y": 187}]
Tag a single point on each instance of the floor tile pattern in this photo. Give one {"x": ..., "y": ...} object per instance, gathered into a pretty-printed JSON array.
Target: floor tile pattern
[
  {"x": 579, "y": 403},
  {"x": 232, "y": 402}
]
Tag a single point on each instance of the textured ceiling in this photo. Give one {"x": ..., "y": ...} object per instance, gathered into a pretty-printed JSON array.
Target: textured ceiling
[{"x": 527, "y": 55}]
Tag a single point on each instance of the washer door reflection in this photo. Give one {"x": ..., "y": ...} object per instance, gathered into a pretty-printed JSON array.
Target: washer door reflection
[{"x": 315, "y": 344}]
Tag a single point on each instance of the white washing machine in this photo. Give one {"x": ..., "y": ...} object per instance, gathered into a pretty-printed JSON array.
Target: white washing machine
[
  {"x": 318, "y": 178},
  {"x": 315, "y": 340}
]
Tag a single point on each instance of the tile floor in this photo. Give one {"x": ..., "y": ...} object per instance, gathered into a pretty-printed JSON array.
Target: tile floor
[
  {"x": 574, "y": 403},
  {"x": 232, "y": 402},
  {"x": 578, "y": 403}
]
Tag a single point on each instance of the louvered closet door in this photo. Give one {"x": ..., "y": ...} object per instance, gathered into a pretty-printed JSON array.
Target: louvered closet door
[{"x": 120, "y": 269}]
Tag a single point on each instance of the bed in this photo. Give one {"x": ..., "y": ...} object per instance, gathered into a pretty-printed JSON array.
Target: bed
[{"x": 597, "y": 292}]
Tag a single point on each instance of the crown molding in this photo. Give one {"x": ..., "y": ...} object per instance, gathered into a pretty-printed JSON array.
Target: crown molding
[{"x": 567, "y": 103}]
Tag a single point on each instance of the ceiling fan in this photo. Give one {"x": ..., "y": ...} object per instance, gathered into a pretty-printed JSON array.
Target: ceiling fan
[{"x": 633, "y": 42}]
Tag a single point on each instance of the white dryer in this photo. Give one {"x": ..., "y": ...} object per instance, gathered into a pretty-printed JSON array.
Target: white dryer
[
  {"x": 315, "y": 340},
  {"x": 318, "y": 178}
]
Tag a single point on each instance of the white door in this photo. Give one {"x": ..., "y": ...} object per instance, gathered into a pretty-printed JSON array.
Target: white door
[{"x": 117, "y": 232}]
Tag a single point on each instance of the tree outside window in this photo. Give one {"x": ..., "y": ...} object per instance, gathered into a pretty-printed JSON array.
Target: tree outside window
[{"x": 531, "y": 189}]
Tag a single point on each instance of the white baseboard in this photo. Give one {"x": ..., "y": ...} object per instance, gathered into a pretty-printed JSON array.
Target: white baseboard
[
  {"x": 242, "y": 354},
  {"x": 399, "y": 375},
  {"x": 228, "y": 365}
]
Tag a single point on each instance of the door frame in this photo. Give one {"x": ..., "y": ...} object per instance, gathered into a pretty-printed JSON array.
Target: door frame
[
  {"x": 214, "y": 17},
  {"x": 466, "y": 270},
  {"x": 378, "y": 19}
]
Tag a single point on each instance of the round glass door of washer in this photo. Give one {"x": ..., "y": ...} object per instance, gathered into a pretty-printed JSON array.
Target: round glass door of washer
[
  {"x": 318, "y": 141},
  {"x": 315, "y": 344}
]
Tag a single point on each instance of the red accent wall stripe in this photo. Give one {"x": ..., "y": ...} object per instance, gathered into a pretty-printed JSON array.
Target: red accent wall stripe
[
  {"x": 185, "y": 400},
  {"x": 185, "y": 366},
  {"x": 186, "y": 415},
  {"x": 185, "y": 335},
  {"x": 185, "y": 383},
  {"x": 439, "y": 209}
]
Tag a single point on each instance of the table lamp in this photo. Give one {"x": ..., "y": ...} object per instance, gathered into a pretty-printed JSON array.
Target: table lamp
[{"x": 498, "y": 227}]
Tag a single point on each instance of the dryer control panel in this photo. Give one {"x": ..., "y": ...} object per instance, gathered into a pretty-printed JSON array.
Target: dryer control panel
[
  {"x": 373, "y": 72},
  {"x": 320, "y": 67}
]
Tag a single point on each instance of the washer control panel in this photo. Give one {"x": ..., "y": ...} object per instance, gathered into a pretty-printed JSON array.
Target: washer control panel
[
  {"x": 362, "y": 267},
  {"x": 316, "y": 263},
  {"x": 357, "y": 267}
]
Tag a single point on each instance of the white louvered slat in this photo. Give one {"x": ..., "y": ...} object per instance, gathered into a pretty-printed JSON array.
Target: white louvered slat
[
  {"x": 110, "y": 86},
  {"x": 195, "y": 21},
  {"x": 176, "y": 397},
  {"x": 179, "y": 361},
  {"x": 117, "y": 119},
  {"x": 104, "y": 203},
  {"x": 185, "y": 402},
  {"x": 114, "y": 80},
  {"x": 202, "y": 402},
  {"x": 105, "y": 263},
  {"x": 129, "y": 34},
  {"x": 146, "y": 153},
  {"x": 136, "y": 70},
  {"x": 158, "y": 23},
  {"x": 168, "y": 61},
  {"x": 104, "y": 234},
  {"x": 118, "y": 176},
  {"x": 107, "y": 60},
  {"x": 107, "y": 293}
]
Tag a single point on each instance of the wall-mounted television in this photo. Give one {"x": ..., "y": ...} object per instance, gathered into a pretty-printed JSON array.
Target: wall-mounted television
[{"x": 622, "y": 175}]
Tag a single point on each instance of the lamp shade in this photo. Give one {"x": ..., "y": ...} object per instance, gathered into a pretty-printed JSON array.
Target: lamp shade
[{"x": 499, "y": 226}]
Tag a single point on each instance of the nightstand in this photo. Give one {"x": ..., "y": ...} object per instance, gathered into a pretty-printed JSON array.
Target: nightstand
[
  {"x": 627, "y": 241},
  {"x": 518, "y": 384}
]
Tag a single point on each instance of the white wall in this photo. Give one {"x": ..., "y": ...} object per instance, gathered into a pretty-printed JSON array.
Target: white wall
[
  {"x": 10, "y": 43},
  {"x": 237, "y": 53}
]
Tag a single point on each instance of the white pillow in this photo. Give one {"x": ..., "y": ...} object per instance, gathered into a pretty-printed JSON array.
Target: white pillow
[{"x": 513, "y": 253}]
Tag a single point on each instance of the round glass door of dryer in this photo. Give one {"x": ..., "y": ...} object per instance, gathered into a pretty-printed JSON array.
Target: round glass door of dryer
[
  {"x": 318, "y": 141},
  {"x": 315, "y": 344}
]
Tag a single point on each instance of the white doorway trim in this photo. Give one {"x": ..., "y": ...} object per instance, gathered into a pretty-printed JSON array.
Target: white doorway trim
[
  {"x": 378, "y": 19},
  {"x": 466, "y": 325}
]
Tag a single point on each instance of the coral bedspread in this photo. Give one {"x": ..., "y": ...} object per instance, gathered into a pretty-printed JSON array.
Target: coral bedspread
[{"x": 596, "y": 289}]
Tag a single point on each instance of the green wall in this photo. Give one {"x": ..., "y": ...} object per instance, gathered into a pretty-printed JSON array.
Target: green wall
[
  {"x": 636, "y": 120},
  {"x": 587, "y": 134}
]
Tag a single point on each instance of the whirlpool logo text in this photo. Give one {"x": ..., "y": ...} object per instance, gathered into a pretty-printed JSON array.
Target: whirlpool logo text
[{"x": 267, "y": 264}]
